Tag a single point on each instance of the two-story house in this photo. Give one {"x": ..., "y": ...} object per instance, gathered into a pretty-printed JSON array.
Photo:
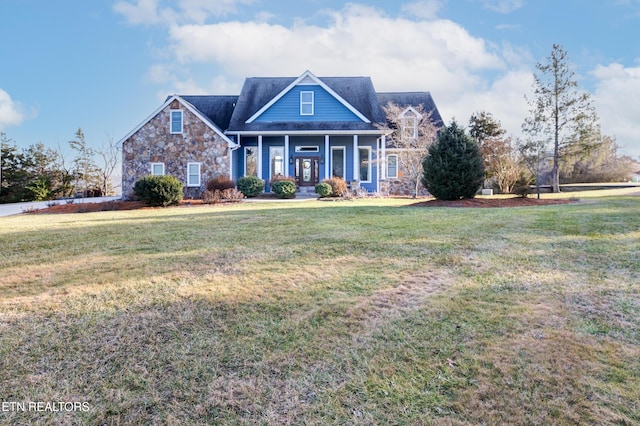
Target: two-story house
[{"x": 308, "y": 128}]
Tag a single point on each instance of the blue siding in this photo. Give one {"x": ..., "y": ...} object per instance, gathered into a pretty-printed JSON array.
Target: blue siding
[{"x": 326, "y": 108}]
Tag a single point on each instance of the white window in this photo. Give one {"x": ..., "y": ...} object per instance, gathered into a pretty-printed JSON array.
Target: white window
[
  {"x": 193, "y": 174},
  {"x": 338, "y": 161},
  {"x": 250, "y": 161},
  {"x": 392, "y": 166},
  {"x": 157, "y": 169},
  {"x": 276, "y": 161},
  {"x": 364, "y": 160},
  {"x": 306, "y": 103},
  {"x": 176, "y": 121},
  {"x": 410, "y": 127},
  {"x": 410, "y": 118}
]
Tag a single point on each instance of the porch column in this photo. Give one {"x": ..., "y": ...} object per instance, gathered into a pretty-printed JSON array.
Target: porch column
[
  {"x": 327, "y": 157},
  {"x": 356, "y": 162},
  {"x": 382, "y": 169},
  {"x": 259, "y": 167},
  {"x": 286, "y": 155}
]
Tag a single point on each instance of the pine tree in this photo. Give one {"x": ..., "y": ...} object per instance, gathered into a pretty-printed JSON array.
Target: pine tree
[
  {"x": 561, "y": 115},
  {"x": 454, "y": 168}
]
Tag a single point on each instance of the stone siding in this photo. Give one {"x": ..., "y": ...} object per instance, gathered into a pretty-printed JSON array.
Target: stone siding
[
  {"x": 154, "y": 143},
  {"x": 401, "y": 185}
]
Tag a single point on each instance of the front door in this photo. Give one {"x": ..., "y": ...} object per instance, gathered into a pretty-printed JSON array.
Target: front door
[{"x": 307, "y": 170}]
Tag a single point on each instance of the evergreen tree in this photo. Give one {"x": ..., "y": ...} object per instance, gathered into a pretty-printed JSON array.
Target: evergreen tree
[{"x": 454, "y": 168}]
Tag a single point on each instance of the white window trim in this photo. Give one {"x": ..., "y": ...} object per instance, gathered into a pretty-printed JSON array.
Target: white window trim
[
  {"x": 344, "y": 160},
  {"x": 245, "y": 158},
  {"x": 368, "y": 148},
  {"x": 153, "y": 166},
  {"x": 194, "y": 185},
  {"x": 389, "y": 174},
  {"x": 312, "y": 103},
  {"x": 284, "y": 161},
  {"x": 171, "y": 112}
]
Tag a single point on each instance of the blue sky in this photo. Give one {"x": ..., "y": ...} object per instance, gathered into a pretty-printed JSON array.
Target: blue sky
[{"x": 105, "y": 66}]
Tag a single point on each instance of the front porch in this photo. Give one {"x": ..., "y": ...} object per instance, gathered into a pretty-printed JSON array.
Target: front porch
[{"x": 311, "y": 158}]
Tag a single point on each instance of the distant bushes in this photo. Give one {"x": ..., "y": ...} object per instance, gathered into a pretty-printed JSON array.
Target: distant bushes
[
  {"x": 159, "y": 190},
  {"x": 250, "y": 186}
]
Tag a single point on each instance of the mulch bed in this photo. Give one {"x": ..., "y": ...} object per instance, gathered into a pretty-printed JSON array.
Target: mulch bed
[
  {"x": 135, "y": 205},
  {"x": 493, "y": 202}
]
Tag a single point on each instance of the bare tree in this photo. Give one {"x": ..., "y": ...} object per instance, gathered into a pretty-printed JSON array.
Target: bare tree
[
  {"x": 109, "y": 154},
  {"x": 410, "y": 132}
]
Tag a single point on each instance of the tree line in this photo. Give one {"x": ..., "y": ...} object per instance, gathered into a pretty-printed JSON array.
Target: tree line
[
  {"x": 561, "y": 142},
  {"x": 39, "y": 173}
]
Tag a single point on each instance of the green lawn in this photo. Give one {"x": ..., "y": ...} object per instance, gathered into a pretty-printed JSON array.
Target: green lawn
[{"x": 363, "y": 312}]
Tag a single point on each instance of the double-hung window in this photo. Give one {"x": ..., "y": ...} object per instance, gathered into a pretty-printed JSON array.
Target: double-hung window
[
  {"x": 193, "y": 174},
  {"x": 176, "y": 121},
  {"x": 306, "y": 103},
  {"x": 392, "y": 166},
  {"x": 157, "y": 169}
]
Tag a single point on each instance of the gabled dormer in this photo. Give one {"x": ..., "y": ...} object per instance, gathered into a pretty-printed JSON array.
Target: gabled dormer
[
  {"x": 307, "y": 99},
  {"x": 409, "y": 120}
]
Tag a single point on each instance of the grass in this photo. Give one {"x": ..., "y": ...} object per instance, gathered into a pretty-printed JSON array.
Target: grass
[{"x": 363, "y": 312}]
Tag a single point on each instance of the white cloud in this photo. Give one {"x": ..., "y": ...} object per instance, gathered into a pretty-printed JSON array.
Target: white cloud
[
  {"x": 187, "y": 11},
  {"x": 503, "y": 6},
  {"x": 434, "y": 55},
  {"x": 617, "y": 99},
  {"x": 424, "y": 9},
  {"x": 10, "y": 111},
  {"x": 360, "y": 40}
]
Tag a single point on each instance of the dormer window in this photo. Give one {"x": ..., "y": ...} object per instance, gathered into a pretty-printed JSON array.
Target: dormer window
[
  {"x": 409, "y": 120},
  {"x": 306, "y": 103},
  {"x": 176, "y": 121}
]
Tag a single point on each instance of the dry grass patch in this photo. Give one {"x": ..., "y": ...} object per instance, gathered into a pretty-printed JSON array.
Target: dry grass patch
[{"x": 324, "y": 313}]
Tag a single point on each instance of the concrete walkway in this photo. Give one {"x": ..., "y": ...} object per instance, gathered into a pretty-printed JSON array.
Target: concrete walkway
[{"x": 17, "y": 208}]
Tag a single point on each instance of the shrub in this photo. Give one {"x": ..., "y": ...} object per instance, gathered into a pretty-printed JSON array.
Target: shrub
[
  {"x": 217, "y": 196},
  {"x": 338, "y": 186},
  {"x": 454, "y": 168},
  {"x": 220, "y": 183},
  {"x": 323, "y": 189},
  {"x": 158, "y": 190},
  {"x": 232, "y": 195},
  {"x": 212, "y": 197},
  {"x": 250, "y": 186},
  {"x": 284, "y": 188}
]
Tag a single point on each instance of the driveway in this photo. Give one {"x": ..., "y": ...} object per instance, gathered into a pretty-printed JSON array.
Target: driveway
[{"x": 17, "y": 208}]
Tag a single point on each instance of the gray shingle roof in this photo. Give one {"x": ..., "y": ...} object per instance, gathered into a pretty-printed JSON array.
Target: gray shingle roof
[
  {"x": 230, "y": 113},
  {"x": 258, "y": 91},
  {"x": 218, "y": 109},
  {"x": 407, "y": 99}
]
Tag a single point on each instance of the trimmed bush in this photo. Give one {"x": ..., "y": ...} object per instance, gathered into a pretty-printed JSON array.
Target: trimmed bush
[
  {"x": 158, "y": 190},
  {"x": 250, "y": 186},
  {"x": 338, "y": 186},
  {"x": 220, "y": 183},
  {"x": 454, "y": 168},
  {"x": 323, "y": 189},
  {"x": 284, "y": 188}
]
